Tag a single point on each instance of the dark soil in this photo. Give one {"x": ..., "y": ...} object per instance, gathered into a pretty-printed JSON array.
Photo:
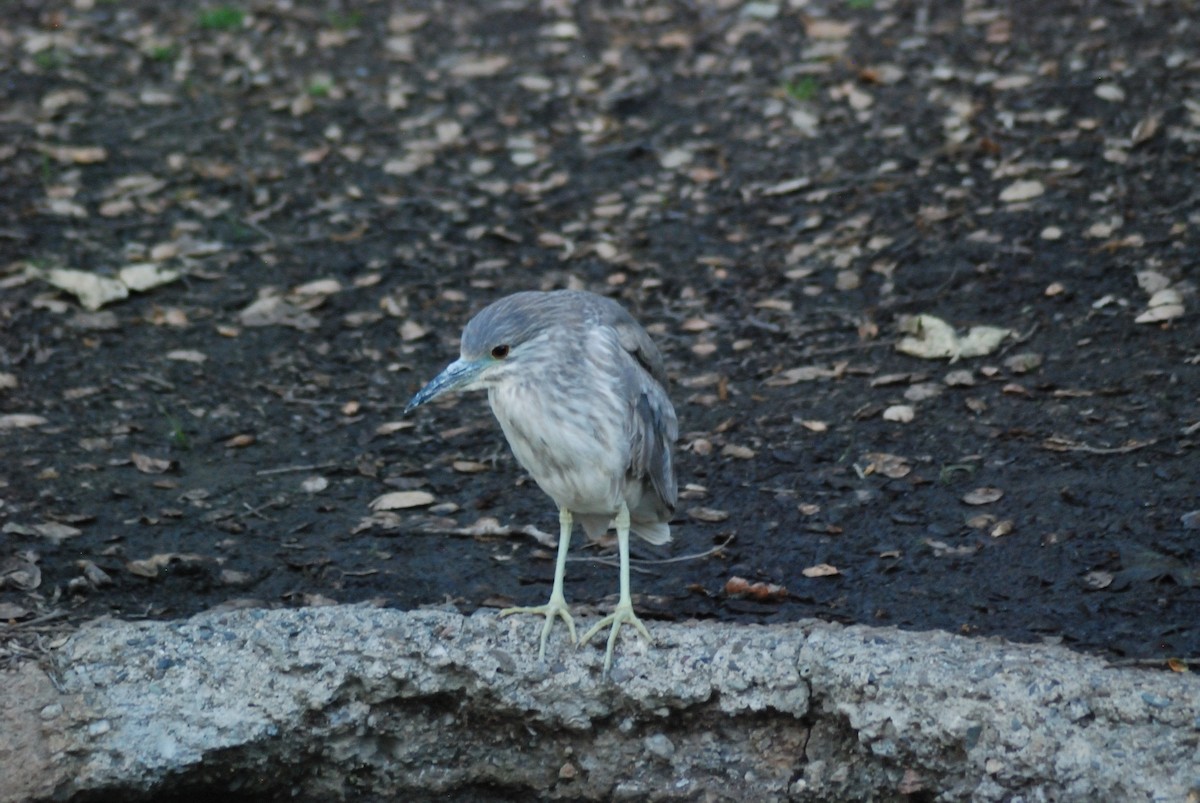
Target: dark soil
[{"x": 767, "y": 188}]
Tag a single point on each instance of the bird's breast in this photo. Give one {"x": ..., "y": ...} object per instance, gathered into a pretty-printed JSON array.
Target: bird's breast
[{"x": 571, "y": 443}]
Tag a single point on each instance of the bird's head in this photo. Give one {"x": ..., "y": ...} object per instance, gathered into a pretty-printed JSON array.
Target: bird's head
[{"x": 496, "y": 344}]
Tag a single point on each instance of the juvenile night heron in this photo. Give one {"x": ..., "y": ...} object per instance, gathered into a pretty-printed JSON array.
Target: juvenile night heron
[{"x": 579, "y": 389}]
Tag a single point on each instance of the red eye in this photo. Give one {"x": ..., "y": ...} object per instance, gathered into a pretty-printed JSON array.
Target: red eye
[{"x": 500, "y": 352}]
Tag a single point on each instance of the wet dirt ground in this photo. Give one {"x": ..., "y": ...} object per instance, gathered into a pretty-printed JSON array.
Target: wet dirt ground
[{"x": 773, "y": 189}]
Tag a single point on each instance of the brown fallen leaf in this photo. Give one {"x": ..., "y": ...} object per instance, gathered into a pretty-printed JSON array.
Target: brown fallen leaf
[
  {"x": 151, "y": 566},
  {"x": 151, "y": 465},
  {"x": 80, "y": 155},
  {"x": 762, "y": 592},
  {"x": 892, "y": 466}
]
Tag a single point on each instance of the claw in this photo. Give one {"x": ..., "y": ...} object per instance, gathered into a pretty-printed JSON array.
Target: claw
[
  {"x": 622, "y": 614},
  {"x": 555, "y": 608}
]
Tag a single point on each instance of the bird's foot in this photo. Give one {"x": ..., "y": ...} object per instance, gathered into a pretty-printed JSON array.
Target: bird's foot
[
  {"x": 622, "y": 614},
  {"x": 556, "y": 607}
]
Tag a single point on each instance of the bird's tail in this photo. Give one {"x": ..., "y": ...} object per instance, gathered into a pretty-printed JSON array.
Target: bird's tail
[{"x": 655, "y": 532}]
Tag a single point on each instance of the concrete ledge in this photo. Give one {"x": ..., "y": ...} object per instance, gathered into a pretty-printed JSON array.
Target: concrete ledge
[{"x": 323, "y": 703}]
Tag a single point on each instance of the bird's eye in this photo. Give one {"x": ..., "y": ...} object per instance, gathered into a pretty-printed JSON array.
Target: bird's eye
[{"x": 500, "y": 352}]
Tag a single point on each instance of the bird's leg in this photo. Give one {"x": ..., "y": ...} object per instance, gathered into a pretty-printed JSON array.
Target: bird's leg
[
  {"x": 623, "y": 613},
  {"x": 557, "y": 606}
]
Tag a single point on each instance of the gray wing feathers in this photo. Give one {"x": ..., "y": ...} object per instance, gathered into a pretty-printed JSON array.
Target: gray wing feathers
[
  {"x": 644, "y": 381},
  {"x": 651, "y": 457}
]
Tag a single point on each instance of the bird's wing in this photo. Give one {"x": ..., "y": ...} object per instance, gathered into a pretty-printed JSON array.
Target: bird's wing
[
  {"x": 654, "y": 425},
  {"x": 655, "y": 431},
  {"x": 632, "y": 337}
]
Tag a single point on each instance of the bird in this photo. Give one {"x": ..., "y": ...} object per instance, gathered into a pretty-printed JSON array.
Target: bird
[{"x": 579, "y": 390}]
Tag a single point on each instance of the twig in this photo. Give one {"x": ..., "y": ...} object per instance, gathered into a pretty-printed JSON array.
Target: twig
[
  {"x": 37, "y": 620},
  {"x": 659, "y": 561},
  {"x": 293, "y": 469},
  {"x": 1055, "y": 444}
]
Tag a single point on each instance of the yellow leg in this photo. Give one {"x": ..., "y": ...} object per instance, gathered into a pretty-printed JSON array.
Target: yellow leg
[
  {"x": 623, "y": 613},
  {"x": 557, "y": 606}
]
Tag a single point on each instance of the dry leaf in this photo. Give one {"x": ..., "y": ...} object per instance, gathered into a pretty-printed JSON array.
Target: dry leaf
[
  {"x": 84, "y": 155},
  {"x": 20, "y": 421},
  {"x": 1151, "y": 281},
  {"x": 901, "y": 413},
  {"x": 389, "y": 427},
  {"x": 827, "y": 29},
  {"x": 740, "y": 452},
  {"x": 151, "y": 566},
  {"x": 18, "y": 573},
  {"x": 1024, "y": 190},
  {"x": 889, "y": 465},
  {"x": 479, "y": 67},
  {"x": 820, "y": 570},
  {"x": 932, "y": 338},
  {"x": 983, "y": 496},
  {"x": 56, "y": 531},
  {"x": 10, "y": 611},
  {"x": 786, "y": 187},
  {"x": 806, "y": 373},
  {"x": 469, "y": 466},
  {"x": 92, "y": 291},
  {"x": 318, "y": 287},
  {"x": 96, "y": 576},
  {"x": 411, "y": 330},
  {"x": 399, "y": 500},
  {"x": 1164, "y": 305},
  {"x": 142, "y": 276},
  {"x": 763, "y": 592},
  {"x": 1023, "y": 363},
  {"x": 275, "y": 311},
  {"x": 151, "y": 465},
  {"x": 707, "y": 514},
  {"x": 961, "y": 378},
  {"x": 313, "y": 485}
]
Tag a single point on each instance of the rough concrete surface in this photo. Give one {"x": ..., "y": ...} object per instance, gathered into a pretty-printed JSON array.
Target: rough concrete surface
[{"x": 323, "y": 703}]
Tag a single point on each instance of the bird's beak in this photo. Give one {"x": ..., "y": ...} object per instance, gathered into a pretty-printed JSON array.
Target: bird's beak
[{"x": 458, "y": 375}]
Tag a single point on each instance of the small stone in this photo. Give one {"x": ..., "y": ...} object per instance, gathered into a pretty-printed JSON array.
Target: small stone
[{"x": 660, "y": 745}]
